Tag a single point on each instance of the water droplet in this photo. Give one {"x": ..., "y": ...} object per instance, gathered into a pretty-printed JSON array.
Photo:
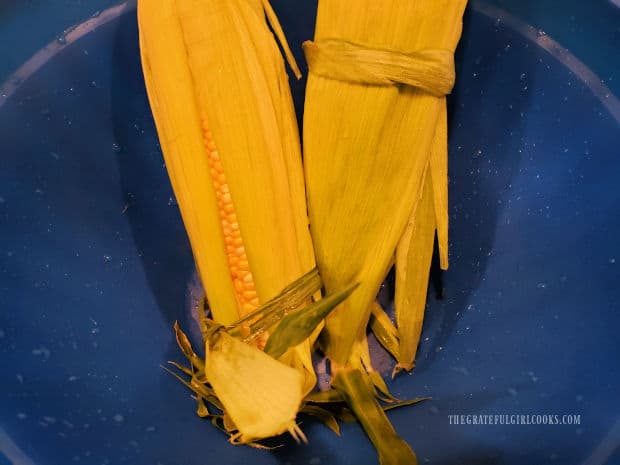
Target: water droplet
[
  {"x": 541, "y": 285},
  {"x": 118, "y": 418},
  {"x": 612, "y": 260},
  {"x": 107, "y": 258},
  {"x": 116, "y": 148},
  {"x": 42, "y": 352},
  {"x": 62, "y": 40}
]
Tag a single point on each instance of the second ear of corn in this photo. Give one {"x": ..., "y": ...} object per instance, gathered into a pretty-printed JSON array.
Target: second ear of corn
[{"x": 375, "y": 148}]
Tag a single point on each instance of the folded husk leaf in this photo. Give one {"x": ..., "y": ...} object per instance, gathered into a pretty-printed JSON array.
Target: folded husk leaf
[
  {"x": 297, "y": 326},
  {"x": 260, "y": 394}
]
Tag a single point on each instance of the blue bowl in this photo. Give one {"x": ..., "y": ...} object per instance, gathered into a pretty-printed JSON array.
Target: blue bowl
[{"x": 95, "y": 265}]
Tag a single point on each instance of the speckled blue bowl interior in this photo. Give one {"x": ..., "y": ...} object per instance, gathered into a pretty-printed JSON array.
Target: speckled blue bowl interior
[{"x": 95, "y": 266}]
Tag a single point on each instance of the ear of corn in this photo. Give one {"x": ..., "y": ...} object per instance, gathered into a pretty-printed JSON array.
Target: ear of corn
[
  {"x": 225, "y": 114},
  {"x": 367, "y": 142},
  {"x": 222, "y": 106}
]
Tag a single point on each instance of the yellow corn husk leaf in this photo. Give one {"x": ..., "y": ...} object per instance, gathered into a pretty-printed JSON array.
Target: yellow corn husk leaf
[
  {"x": 439, "y": 174},
  {"x": 413, "y": 262},
  {"x": 367, "y": 145},
  {"x": 261, "y": 396},
  {"x": 384, "y": 330},
  {"x": 360, "y": 360},
  {"x": 214, "y": 65}
]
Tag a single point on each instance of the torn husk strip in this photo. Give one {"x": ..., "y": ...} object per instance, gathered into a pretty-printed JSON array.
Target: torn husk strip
[
  {"x": 439, "y": 174},
  {"x": 355, "y": 386},
  {"x": 367, "y": 146},
  {"x": 413, "y": 261},
  {"x": 415, "y": 249},
  {"x": 292, "y": 297}
]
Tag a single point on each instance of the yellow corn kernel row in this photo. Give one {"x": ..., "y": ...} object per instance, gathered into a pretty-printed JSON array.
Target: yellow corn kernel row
[{"x": 238, "y": 264}]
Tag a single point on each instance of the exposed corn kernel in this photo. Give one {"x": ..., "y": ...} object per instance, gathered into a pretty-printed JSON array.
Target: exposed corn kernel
[{"x": 237, "y": 259}]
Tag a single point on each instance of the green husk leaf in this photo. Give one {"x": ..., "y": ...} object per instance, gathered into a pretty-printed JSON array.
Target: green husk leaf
[
  {"x": 384, "y": 330},
  {"x": 292, "y": 296},
  {"x": 360, "y": 359},
  {"x": 383, "y": 393},
  {"x": 199, "y": 389},
  {"x": 218, "y": 422},
  {"x": 358, "y": 390},
  {"x": 229, "y": 425},
  {"x": 323, "y": 415},
  {"x": 186, "y": 348},
  {"x": 404, "y": 403},
  {"x": 296, "y": 327},
  {"x": 324, "y": 397},
  {"x": 202, "y": 411},
  {"x": 182, "y": 368}
]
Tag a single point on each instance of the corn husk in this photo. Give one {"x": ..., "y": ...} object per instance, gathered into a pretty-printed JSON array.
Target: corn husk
[
  {"x": 367, "y": 141},
  {"x": 261, "y": 395}
]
